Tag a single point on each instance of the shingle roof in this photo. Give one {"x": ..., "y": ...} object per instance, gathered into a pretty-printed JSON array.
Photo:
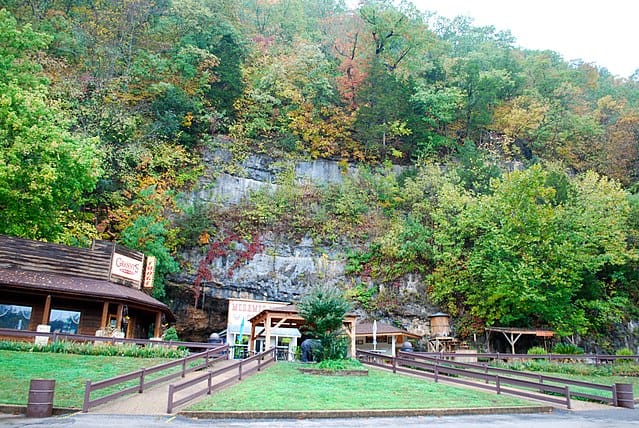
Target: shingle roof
[
  {"x": 72, "y": 285},
  {"x": 365, "y": 328}
]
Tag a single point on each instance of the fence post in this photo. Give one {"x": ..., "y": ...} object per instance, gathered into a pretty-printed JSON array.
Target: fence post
[
  {"x": 486, "y": 372},
  {"x": 210, "y": 383},
  {"x": 87, "y": 397},
  {"x": 567, "y": 396},
  {"x": 240, "y": 371},
  {"x": 497, "y": 384},
  {"x": 394, "y": 364},
  {"x": 169, "y": 406},
  {"x": 259, "y": 365},
  {"x": 436, "y": 372},
  {"x": 541, "y": 382},
  {"x": 141, "y": 390},
  {"x": 183, "y": 367}
]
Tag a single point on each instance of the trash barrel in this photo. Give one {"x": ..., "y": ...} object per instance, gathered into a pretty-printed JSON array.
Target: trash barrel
[
  {"x": 625, "y": 397},
  {"x": 40, "y": 404}
]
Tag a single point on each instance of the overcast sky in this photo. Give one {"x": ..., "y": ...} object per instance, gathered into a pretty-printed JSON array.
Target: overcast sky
[{"x": 601, "y": 32}]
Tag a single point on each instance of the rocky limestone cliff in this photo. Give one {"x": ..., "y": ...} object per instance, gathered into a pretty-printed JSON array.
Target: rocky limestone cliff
[{"x": 282, "y": 271}]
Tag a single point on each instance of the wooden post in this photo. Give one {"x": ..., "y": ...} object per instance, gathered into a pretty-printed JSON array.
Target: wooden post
[
  {"x": 47, "y": 310},
  {"x": 267, "y": 331},
  {"x": 157, "y": 330},
  {"x": 251, "y": 343},
  {"x": 118, "y": 320},
  {"x": 353, "y": 339},
  {"x": 105, "y": 315}
]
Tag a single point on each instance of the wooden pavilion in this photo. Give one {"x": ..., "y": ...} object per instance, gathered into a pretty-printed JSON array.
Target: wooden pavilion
[
  {"x": 513, "y": 334},
  {"x": 385, "y": 339},
  {"x": 287, "y": 316}
]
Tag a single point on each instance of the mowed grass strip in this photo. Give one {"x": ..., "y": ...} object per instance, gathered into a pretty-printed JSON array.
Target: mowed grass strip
[
  {"x": 69, "y": 371},
  {"x": 283, "y": 387}
]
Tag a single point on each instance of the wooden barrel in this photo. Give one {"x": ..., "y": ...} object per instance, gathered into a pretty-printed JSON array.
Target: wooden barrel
[
  {"x": 625, "y": 397},
  {"x": 40, "y": 404}
]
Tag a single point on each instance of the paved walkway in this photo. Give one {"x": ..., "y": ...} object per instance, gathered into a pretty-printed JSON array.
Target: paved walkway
[{"x": 154, "y": 401}]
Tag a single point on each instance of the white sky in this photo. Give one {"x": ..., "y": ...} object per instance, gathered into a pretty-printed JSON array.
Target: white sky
[{"x": 602, "y": 32}]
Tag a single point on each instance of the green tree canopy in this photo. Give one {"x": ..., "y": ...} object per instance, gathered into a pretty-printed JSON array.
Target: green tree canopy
[
  {"x": 45, "y": 171},
  {"x": 536, "y": 252}
]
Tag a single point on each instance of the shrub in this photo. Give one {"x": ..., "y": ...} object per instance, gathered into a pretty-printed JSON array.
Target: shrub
[
  {"x": 341, "y": 364},
  {"x": 64, "y": 347},
  {"x": 171, "y": 334},
  {"x": 537, "y": 350},
  {"x": 324, "y": 308},
  {"x": 624, "y": 352},
  {"x": 567, "y": 349}
]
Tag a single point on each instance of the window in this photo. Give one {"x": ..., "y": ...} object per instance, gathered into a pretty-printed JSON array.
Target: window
[
  {"x": 14, "y": 316},
  {"x": 63, "y": 321}
]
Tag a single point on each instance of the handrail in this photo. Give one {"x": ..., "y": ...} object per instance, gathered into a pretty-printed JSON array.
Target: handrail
[
  {"x": 434, "y": 368},
  {"x": 596, "y": 358},
  {"x": 208, "y": 356},
  {"x": 55, "y": 336},
  {"x": 541, "y": 378},
  {"x": 172, "y": 402}
]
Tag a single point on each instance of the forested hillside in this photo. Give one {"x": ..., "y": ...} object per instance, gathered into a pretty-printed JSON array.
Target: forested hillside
[{"x": 505, "y": 178}]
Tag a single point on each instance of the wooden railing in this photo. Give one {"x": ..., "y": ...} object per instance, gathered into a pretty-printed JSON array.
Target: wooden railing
[
  {"x": 500, "y": 356},
  {"x": 243, "y": 368},
  {"x": 5, "y": 332},
  {"x": 185, "y": 366},
  {"x": 497, "y": 380}
]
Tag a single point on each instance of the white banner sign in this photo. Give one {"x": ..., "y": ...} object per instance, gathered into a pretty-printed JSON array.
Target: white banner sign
[
  {"x": 126, "y": 267},
  {"x": 149, "y": 272}
]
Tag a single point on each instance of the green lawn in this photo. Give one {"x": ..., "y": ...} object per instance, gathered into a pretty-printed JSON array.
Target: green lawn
[
  {"x": 70, "y": 372},
  {"x": 283, "y": 387}
]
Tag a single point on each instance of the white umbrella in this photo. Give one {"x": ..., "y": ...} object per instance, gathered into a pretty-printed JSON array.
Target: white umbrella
[{"x": 374, "y": 335}]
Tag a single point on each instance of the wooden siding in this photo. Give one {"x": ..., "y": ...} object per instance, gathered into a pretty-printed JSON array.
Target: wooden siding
[{"x": 92, "y": 263}]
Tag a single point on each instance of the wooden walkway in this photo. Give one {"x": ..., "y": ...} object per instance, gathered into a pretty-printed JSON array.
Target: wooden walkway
[{"x": 154, "y": 400}]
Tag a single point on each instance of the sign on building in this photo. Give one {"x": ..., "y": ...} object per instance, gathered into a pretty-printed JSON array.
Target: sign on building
[
  {"x": 149, "y": 272},
  {"x": 126, "y": 268}
]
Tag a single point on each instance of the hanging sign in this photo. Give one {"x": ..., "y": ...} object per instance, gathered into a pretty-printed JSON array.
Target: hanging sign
[{"x": 149, "y": 272}]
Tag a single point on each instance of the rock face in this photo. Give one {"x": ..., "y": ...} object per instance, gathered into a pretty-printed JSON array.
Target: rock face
[{"x": 282, "y": 271}]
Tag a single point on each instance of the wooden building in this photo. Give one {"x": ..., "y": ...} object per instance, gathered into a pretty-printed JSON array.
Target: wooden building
[
  {"x": 78, "y": 290},
  {"x": 381, "y": 337},
  {"x": 287, "y": 316}
]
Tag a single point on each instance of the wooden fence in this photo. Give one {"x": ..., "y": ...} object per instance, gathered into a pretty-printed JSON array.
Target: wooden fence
[
  {"x": 499, "y": 356},
  {"x": 185, "y": 364},
  {"x": 242, "y": 366},
  {"x": 534, "y": 386}
]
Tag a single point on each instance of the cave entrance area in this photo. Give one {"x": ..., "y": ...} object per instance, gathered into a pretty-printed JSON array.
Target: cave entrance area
[{"x": 287, "y": 316}]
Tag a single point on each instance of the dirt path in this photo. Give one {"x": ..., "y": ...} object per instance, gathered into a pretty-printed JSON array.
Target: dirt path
[{"x": 154, "y": 400}]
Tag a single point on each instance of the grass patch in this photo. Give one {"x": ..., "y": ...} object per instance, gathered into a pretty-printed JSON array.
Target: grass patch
[
  {"x": 70, "y": 372},
  {"x": 605, "y": 374},
  {"x": 283, "y": 387}
]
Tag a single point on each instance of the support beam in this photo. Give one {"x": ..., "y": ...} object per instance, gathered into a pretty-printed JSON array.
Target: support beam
[
  {"x": 512, "y": 340},
  {"x": 105, "y": 315},
  {"x": 118, "y": 320},
  {"x": 267, "y": 332},
  {"x": 157, "y": 329},
  {"x": 47, "y": 310},
  {"x": 251, "y": 343}
]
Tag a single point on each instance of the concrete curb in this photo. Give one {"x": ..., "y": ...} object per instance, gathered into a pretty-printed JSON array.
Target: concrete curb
[
  {"x": 17, "y": 409},
  {"x": 318, "y": 414}
]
